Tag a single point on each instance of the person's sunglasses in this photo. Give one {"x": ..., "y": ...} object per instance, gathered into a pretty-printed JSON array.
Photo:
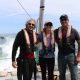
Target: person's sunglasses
[
  {"x": 31, "y": 24},
  {"x": 64, "y": 19}
]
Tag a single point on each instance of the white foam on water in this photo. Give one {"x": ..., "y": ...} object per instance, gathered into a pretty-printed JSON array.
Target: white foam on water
[{"x": 5, "y": 58}]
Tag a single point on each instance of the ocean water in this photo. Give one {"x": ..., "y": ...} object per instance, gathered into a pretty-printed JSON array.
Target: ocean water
[{"x": 6, "y": 43}]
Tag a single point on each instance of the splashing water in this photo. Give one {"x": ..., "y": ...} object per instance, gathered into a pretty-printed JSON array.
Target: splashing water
[{"x": 5, "y": 53}]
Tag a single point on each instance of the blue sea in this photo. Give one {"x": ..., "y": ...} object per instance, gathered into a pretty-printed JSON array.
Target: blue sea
[{"x": 6, "y": 43}]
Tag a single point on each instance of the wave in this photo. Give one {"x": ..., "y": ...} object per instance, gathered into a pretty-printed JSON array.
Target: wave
[{"x": 6, "y": 43}]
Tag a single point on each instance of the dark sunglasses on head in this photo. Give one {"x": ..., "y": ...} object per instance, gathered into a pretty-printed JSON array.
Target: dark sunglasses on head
[{"x": 48, "y": 24}]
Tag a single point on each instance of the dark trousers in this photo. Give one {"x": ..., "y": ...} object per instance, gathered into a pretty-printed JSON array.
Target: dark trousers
[
  {"x": 35, "y": 73},
  {"x": 47, "y": 64},
  {"x": 25, "y": 69}
]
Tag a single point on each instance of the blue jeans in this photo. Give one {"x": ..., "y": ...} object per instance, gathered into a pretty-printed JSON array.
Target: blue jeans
[{"x": 63, "y": 62}]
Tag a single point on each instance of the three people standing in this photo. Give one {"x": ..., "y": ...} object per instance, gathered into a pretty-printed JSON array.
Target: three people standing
[{"x": 65, "y": 37}]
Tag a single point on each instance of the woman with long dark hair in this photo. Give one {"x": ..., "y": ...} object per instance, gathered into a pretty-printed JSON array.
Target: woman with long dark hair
[{"x": 46, "y": 55}]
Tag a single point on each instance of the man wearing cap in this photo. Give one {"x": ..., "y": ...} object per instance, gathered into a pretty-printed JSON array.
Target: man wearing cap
[
  {"x": 46, "y": 55},
  {"x": 26, "y": 40},
  {"x": 65, "y": 37}
]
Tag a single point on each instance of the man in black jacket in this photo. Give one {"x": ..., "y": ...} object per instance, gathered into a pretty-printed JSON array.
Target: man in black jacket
[
  {"x": 26, "y": 40},
  {"x": 65, "y": 37}
]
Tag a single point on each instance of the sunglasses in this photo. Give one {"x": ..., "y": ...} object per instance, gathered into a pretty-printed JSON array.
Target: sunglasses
[
  {"x": 31, "y": 24},
  {"x": 63, "y": 19}
]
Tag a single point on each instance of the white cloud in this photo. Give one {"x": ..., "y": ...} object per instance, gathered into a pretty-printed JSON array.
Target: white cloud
[
  {"x": 56, "y": 7},
  {"x": 53, "y": 9},
  {"x": 12, "y": 6}
]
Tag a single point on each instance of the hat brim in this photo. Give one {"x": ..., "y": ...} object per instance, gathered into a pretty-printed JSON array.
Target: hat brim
[{"x": 48, "y": 24}]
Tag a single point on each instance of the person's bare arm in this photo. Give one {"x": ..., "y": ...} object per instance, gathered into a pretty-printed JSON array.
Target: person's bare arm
[{"x": 78, "y": 53}]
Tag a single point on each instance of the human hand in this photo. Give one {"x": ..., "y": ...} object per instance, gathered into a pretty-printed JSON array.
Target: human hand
[
  {"x": 78, "y": 59},
  {"x": 14, "y": 64}
]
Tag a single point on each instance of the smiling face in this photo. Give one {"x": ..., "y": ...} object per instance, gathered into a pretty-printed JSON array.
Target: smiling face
[
  {"x": 64, "y": 20},
  {"x": 48, "y": 27},
  {"x": 30, "y": 25},
  {"x": 64, "y": 23}
]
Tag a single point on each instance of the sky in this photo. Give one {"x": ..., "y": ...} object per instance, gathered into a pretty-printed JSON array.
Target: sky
[{"x": 13, "y": 17}]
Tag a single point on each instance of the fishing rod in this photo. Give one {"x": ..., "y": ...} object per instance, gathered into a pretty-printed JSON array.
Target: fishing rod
[{"x": 24, "y": 8}]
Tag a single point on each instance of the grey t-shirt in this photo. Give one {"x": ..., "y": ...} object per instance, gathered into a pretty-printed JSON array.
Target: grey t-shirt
[{"x": 67, "y": 46}]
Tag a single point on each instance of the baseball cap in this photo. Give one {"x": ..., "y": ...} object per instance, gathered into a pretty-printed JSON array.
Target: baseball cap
[
  {"x": 49, "y": 23},
  {"x": 64, "y": 17}
]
